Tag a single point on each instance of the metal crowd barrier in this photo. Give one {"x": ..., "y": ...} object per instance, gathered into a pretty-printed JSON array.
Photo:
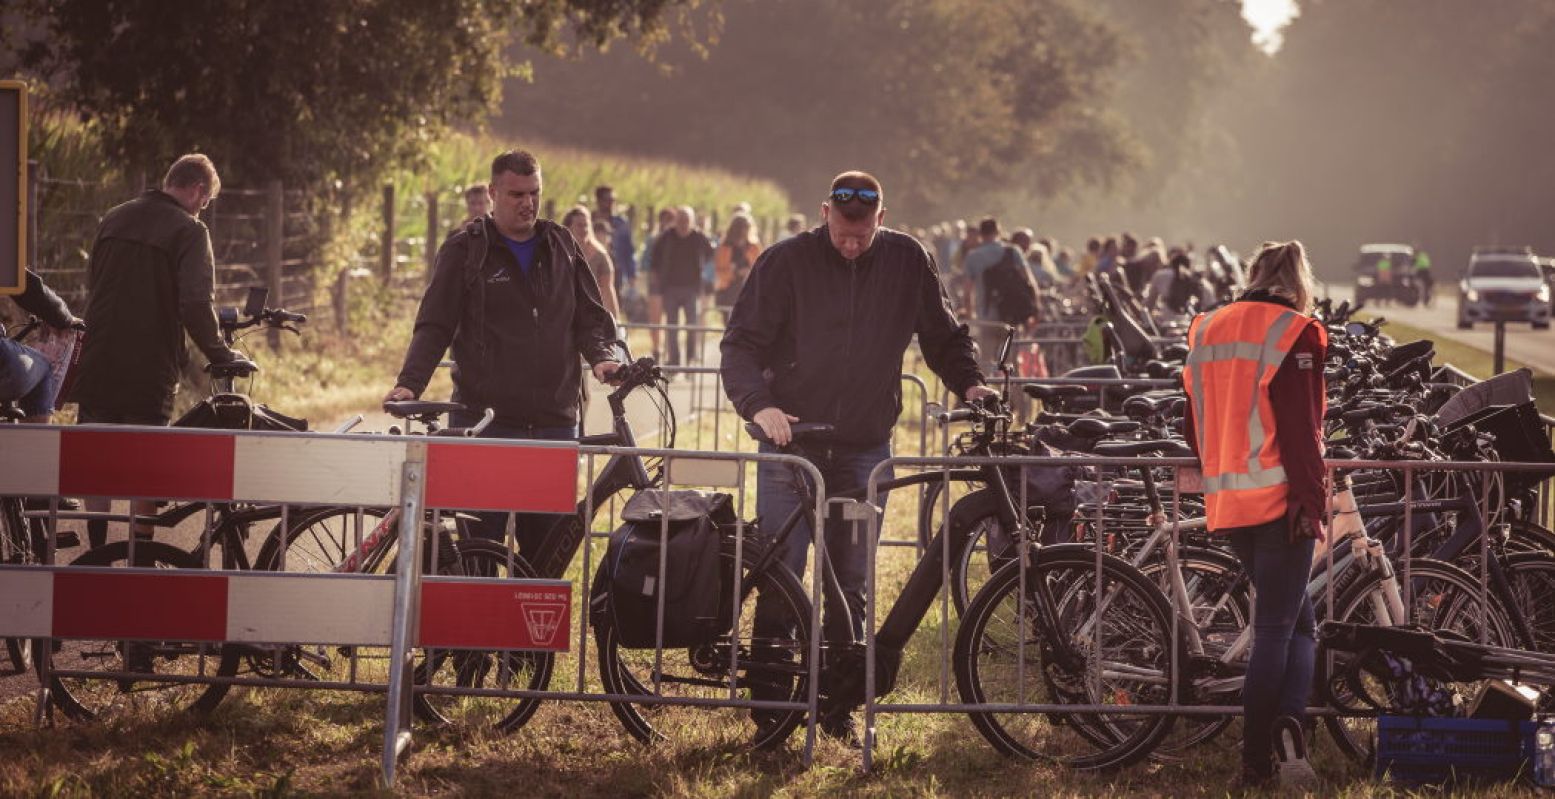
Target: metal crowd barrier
[
  {"x": 400, "y": 612},
  {"x": 1110, "y": 471}
]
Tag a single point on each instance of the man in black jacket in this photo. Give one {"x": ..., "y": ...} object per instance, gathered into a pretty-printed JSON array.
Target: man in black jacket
[
  {"x": 513, "y": 296},
  {"x": 818, "y": 334},
  {"x": 149, "y": 282}
]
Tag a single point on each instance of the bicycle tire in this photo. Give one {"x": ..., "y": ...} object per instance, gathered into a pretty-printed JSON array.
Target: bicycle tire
[
  {"x": 484, "y": 669},
  {"x": 782, "y": 669},
  {"x": 1137, "y": 621},
  {"x": 977, "y": 512},
  {"x": 88, "y": 698},
  {"x": 1531, "y": 579},
  {"x": 1445, "y": 598},
  {"x": 1221, "y": 609},
  {"x": 316, "y": 540},
  {"x": 16, "y": 549}
]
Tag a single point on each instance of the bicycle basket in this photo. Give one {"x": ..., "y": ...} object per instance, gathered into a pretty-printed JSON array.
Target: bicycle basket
[{"x": 1520, "y": 437}]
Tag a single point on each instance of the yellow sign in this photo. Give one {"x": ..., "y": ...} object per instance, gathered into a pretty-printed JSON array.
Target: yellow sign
[{"x": 13, "y": 194}]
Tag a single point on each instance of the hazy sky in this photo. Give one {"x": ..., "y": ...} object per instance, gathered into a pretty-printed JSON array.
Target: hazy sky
[{"x": 1269, "y": 18}]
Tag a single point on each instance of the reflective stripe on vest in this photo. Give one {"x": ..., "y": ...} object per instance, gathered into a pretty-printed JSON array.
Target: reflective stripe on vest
[{"x": 1234, "y": 353}]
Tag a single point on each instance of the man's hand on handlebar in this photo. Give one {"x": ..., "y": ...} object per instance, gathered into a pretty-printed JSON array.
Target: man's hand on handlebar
[
  {"x": 980, "y": 392},
  {"x": 399, "y": 394},
  {"x": 774, "y": 422},
  {"x": 605, "y": 372}
]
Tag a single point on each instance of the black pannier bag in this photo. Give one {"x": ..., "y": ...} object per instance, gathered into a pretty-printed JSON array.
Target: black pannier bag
[
  {"x": 236, "y": 412},
  {"x": 696, "y": 576}
]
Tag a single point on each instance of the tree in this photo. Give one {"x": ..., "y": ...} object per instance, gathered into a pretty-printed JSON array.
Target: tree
[
  {"x": 317, "y": 94},
  {"x": 946, "y": 100}
]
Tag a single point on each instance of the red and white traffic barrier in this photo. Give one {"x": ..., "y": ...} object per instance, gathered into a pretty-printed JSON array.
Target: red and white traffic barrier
[
  {"x": 278, "y": 608},
  {"x": 298, "y": 468}
]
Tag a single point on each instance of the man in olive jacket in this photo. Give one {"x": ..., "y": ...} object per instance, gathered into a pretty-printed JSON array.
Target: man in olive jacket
[
  {"x": 149, "y": 281},
  {"x": 514, "y": 297}
]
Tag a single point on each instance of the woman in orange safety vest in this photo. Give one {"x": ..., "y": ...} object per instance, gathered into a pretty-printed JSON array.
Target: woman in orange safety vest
[{"x": 1254, "y": 379}]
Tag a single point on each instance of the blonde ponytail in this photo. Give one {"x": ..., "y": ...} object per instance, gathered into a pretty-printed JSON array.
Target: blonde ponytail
[{"x": 1281, "y": 268}]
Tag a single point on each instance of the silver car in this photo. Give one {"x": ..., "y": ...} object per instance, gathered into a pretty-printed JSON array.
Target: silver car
[{"x": 1503, "y": 285}]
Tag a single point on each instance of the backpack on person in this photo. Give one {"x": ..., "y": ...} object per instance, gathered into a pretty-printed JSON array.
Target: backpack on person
[
  {"x": 684, "y": 531},
  {"x": 1012, "y": 293}
]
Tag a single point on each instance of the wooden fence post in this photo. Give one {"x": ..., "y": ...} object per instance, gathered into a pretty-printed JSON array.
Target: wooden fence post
[
  {"x": 386, "y": 244},
  {"x": 550, "y": 210},
  {"x": 32, "y": 216},
  {"x": 275, "y": 239},
  {"x": 434, "y": 235}
]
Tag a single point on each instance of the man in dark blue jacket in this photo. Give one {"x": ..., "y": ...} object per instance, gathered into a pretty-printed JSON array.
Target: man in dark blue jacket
[
  {"x": 513, "y": 296},
  {"x": 818, "y": 334}
]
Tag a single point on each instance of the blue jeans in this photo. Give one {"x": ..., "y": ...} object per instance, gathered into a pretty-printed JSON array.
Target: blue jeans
[
  {"x": 778, "y": 494},
  {"x": 529, "y": 529},
  {"x": 680, "y": 300},
  {"x": 1279, "y": 671},
  {"x": 26, "y": 378}
]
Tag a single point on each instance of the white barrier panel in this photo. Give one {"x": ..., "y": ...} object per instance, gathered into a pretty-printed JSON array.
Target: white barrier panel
[
  {"x": 265, "y": 607},
  {"x": 301, "y": 468}
]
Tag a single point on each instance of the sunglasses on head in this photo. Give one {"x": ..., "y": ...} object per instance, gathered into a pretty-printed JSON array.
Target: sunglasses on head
[{"x": 865, "y": 196}]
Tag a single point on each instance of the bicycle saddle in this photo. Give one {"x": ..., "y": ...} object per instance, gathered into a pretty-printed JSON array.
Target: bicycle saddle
[
  {"x": 238, "y": 368},
  {"x": 1145, "y": 405},
  {"x": 1162, "y": 446},
  {"x": 1105, "y": 371},
  {"x": 421, "y": 411},
  {"x": 803, "y": 431},
  {"x": 1097, "y": 427},
  {"x": 1046, "y": 393}
]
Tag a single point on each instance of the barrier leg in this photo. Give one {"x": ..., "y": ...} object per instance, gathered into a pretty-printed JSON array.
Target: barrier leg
[{"x": 407, "y": 594}]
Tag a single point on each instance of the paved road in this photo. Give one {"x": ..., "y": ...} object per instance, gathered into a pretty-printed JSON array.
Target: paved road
[{"x": 1536, "y": 348}]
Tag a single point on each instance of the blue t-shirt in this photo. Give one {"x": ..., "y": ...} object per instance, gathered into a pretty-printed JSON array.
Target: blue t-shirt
[{"x": 523, "y": 252}]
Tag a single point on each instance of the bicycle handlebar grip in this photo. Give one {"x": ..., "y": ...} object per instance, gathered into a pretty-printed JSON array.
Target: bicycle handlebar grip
[
  {"x": 957, "y": 415},
  {"x": 279, "y": 315}
]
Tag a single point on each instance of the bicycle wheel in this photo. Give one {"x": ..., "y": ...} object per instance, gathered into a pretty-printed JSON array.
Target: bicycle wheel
[
  {"x": 16, "y": 549},
  {"x": 483, "y": 669},
  {"x": 1444, "y": 598},
  {"x": 1531, "y": 580},
  {"x": 971, "y": 566},
  {"x": 84, "y": 698},
  {"x": 773, "y": 665},
  {"x": 1122, "y": 632},
  {"x": 317, "y": 540},
  {"x": 1220, "y": 608}
]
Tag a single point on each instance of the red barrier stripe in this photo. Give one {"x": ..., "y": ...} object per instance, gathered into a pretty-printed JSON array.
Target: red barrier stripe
[
  {"x": 162, "y": 465},
  {"x": 481, "y": 477},
  {"x": 495, "y": 615},
  {"x": 174, "y": 605}
]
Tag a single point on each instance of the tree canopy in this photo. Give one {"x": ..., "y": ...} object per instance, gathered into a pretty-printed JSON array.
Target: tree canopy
[
  {"x": 947, "y": 100},
  {"x": 318, "y": 94}
]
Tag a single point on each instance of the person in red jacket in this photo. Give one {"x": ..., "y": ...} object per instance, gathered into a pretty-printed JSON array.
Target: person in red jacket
[{"x": 1254, "y": 378}]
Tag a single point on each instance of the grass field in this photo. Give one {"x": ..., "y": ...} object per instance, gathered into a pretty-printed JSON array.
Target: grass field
[
  {"x": 281, "y": 743},
  {"x": 1475, "y": 361}
]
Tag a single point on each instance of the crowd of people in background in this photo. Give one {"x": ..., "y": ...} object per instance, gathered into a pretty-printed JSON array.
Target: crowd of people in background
[
  {"x": 685, "y": 266},
  {"x": 1170, "y": 279}
]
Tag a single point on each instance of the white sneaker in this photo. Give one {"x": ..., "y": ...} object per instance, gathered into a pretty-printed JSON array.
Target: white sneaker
[{"x": 1290, "y": 749}]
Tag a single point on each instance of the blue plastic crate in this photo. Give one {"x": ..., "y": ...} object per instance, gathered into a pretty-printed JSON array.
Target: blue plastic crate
[{"x": 1420, "y": 750}]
